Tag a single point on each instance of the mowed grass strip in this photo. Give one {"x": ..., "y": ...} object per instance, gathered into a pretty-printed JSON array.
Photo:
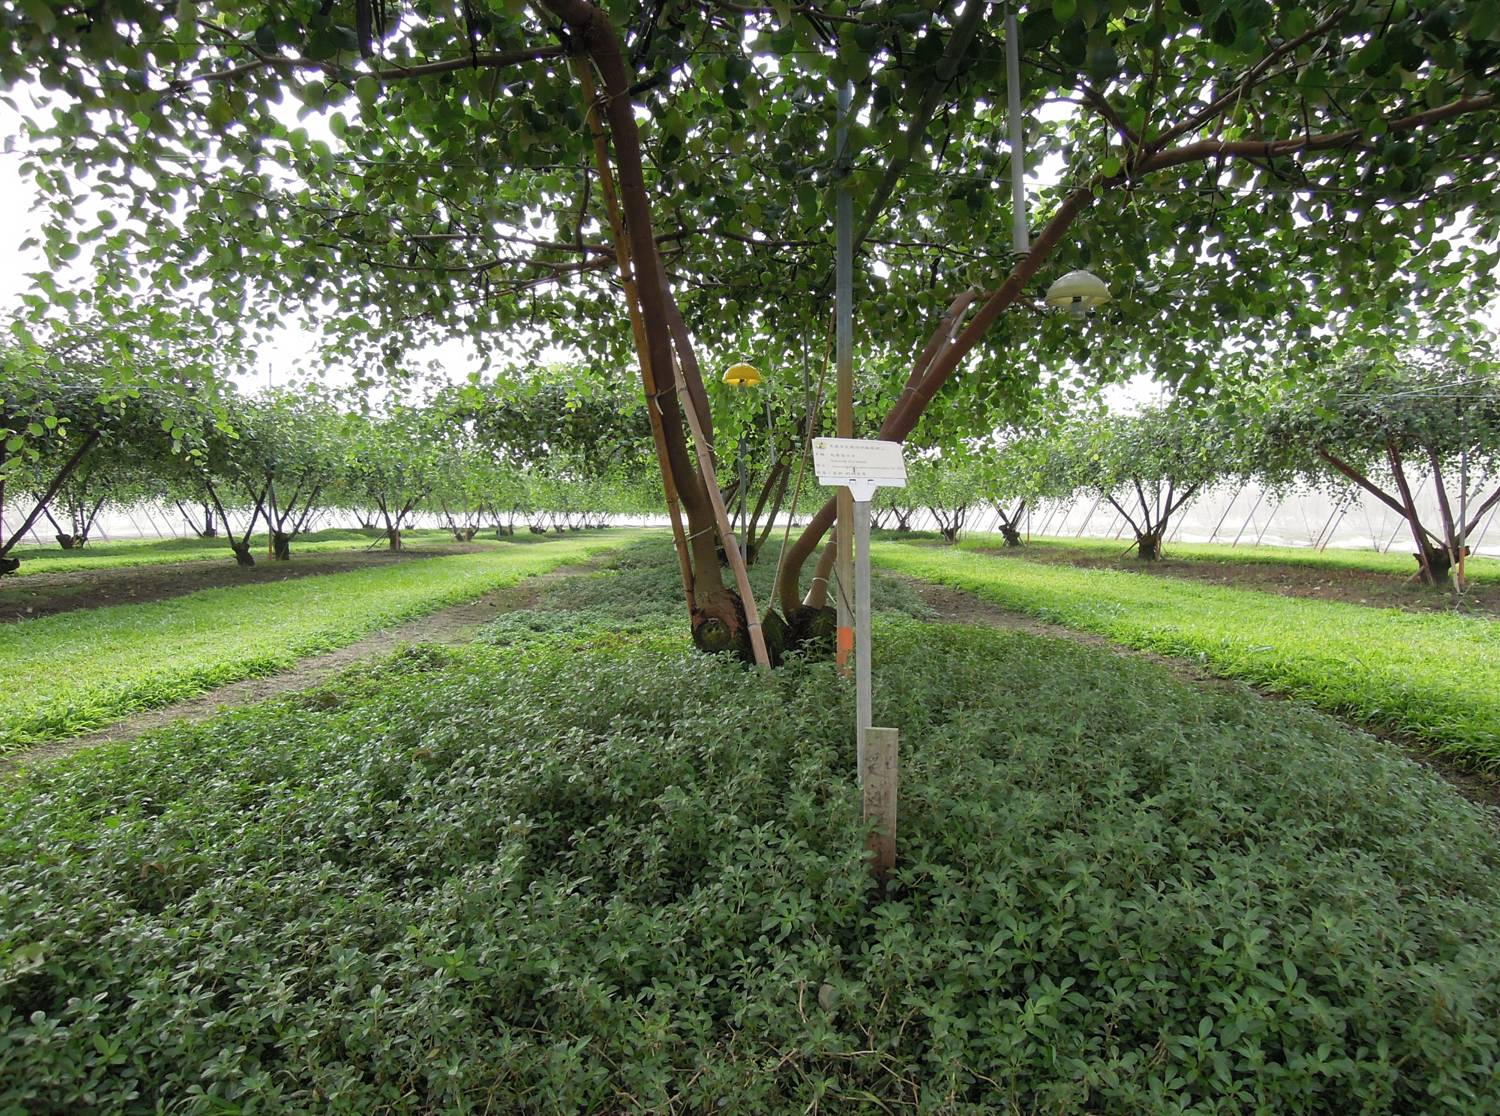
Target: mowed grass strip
[
  {"x": 1398, "y": 562},
  {"x": 151, "y": 552},
  {"x": 1436, "y": 676},
  {"x": 66, "y": 674}
]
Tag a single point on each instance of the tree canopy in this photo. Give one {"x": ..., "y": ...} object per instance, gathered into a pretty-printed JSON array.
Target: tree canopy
[{"x": 1250, "y": 176}]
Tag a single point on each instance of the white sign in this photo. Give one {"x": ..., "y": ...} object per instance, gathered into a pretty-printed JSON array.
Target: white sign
[{"x": 849, "y": 460}]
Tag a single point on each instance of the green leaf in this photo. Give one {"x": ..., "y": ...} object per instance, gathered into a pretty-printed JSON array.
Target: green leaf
[{"x": 40, "y": 13}]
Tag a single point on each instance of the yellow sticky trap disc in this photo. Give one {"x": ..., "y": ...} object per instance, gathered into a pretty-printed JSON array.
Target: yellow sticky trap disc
[{"x": 742, "y": 375}]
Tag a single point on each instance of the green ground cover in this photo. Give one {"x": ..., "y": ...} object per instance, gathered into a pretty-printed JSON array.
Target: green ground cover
[
  {"x": 1397, "y": 562},
  {"x": 150, "y": 552},
  {"x": 67, "y": 673},
  {"x": 1436, "y": 675},
  {"x": 594, "y": 872}
]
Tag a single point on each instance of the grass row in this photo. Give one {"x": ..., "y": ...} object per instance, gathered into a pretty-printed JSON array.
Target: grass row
[
  {"x": 68, "y": 673},
  {"x": 597, "y": 872},
  {"x": 1397, "y": 563},
  {"x": 1436, "y": 676},
  {"x": 150, "y": 552}
]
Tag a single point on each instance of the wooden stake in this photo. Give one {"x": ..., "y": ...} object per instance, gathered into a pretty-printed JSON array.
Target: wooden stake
[{"x": 731, "y": 552}]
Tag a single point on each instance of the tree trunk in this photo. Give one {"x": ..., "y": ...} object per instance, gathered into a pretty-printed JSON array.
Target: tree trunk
[
  {"x": 1435, "y": 567},
  {"x": 242, "y": 555},
  {"x": 663, "y": 336},
  {"x": 1010, "y": 534},
  {"x": 70, "y": 542},
  {"x": 1423, "y": 552},
  {"x": 281, "y": 546},
  {"x": 1148, "y": 545}
]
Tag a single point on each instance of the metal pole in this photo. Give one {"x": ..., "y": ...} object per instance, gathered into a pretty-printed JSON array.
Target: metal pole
[
  {"x": 1269, "y": 518},
  {"x": 1177, "y": 531},
  {"x": 1390, "y": 542},
  {"x": 1020, "y": 234},
  {"x": 1259, "y": 497},
  {"x": 843, "y": 281},
  {"x": 862, "y": 690},
  {"x": 1084, "y": 526},
  {"x": 744, "y": 475},
  {"x": 1485, "y": 530},
  {"x": 1227, "y": 509}
]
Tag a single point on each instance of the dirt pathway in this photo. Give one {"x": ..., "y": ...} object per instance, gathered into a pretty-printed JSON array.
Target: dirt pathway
[
  {"x": 453, "y": 625},
  {"x": 957, "y": 607}
]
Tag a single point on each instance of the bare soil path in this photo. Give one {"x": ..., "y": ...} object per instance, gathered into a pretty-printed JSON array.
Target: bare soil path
[
  {"x": 957, "y": 607},
  {"x": 1333, "y": 583},
  {"x": 453, "y": 625},
  {"x": 45, "y": 594}
]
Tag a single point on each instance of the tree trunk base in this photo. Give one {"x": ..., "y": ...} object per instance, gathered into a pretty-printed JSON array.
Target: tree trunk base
[
  {"x": 71, "y": 542},
  {"x": 1148, "y": 548},
  {"x": 9, "y": 566},
  {"x": 812, "y": 630},
  {"x": 242, "y": 555},
  {"x": 1011, "y": 536},
  {"x": 716, "y": 635},
  {"x": 394, "y": 535},
  {"x": 281, "y": 547},
  {"x": 1441, "y": 565}
]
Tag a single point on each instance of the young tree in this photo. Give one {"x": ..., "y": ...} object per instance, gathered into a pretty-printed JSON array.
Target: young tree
[
  {"x": 1022, "y": 471},
  {"x": 390, "y": 463},
  {"x": 948, "y": 487},
  {"x": 1149, "y": 465},
  {"x": 70, "y": 444},
  {"x": 298, "y": 434},
  {"x": 1383, "y": 422}
]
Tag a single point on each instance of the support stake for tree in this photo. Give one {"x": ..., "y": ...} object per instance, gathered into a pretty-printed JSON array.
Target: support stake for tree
[{"x": 721, "y": 517}]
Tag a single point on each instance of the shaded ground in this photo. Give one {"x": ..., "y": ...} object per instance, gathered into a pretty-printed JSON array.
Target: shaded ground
[
  {"x": 956, "y": 606},
  {"x": 45, "y": 594},
  {"x": 456, "y": 624},
  {"x": 1350, "y": 586}
]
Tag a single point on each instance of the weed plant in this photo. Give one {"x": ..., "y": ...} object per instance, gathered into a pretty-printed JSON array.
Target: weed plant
[
  {"x": 1433, "y": 675},
  {"x": 73, "y": 671},
  {"x": 604, "y": 874}
]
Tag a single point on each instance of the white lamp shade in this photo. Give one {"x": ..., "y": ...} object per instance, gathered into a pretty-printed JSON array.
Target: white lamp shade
[{"x": 1078, "y": 291}]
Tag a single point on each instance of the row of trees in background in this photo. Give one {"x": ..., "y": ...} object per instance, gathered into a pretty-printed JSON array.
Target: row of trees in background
[
  {"x": 1388, "y": 427},
  {"x": 535, "y": 452}
]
